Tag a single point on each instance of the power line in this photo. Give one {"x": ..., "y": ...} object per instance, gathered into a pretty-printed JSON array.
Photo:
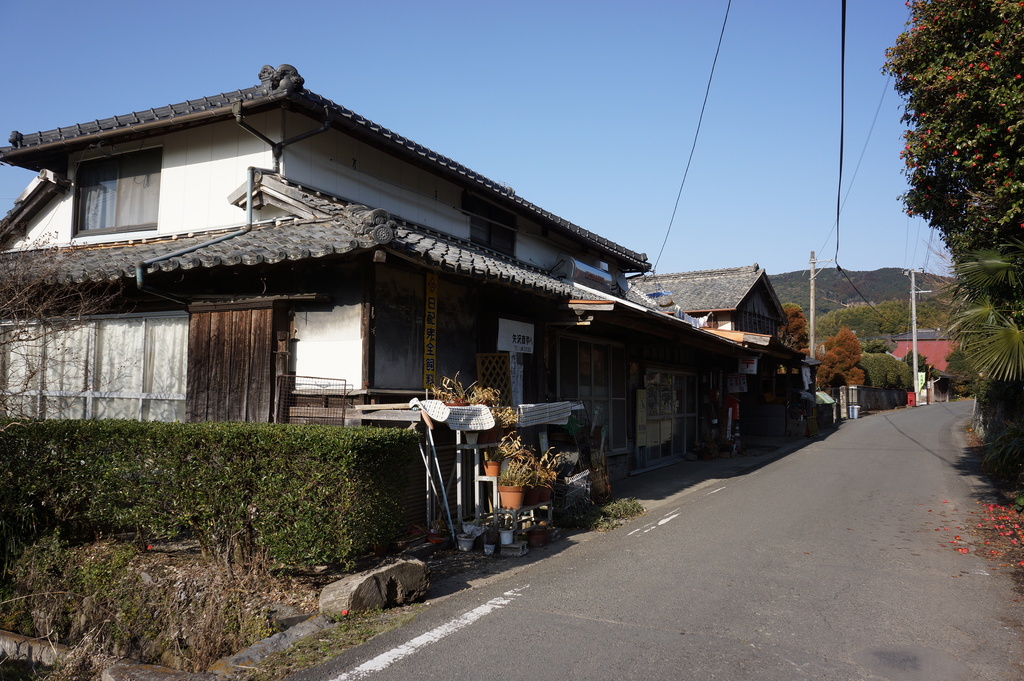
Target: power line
[
  {"x": 860, "y": 159},
  {"x": 700, "y": 119},
  {"x": 842, "y": 124}
]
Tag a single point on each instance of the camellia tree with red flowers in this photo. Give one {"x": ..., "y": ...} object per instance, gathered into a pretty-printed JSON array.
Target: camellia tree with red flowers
[{"x": 960, "y": 67}]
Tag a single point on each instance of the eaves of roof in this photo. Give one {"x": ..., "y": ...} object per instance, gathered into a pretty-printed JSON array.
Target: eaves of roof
[
  {"x": 761, "y": 343},
  {"x": 635, "y": 316},
  {"x": 30, "y": 203},
  {"x": 49, "y": 149},
  {"x": 301, "y": 240}
]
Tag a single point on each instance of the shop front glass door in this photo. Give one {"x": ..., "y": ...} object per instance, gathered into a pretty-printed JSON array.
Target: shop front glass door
[
  {"x": 671, "y": 417},
  {"x": 595, "y": 374}
]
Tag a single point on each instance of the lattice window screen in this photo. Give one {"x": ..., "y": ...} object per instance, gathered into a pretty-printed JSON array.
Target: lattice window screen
[{"x": 492, "y": 369}]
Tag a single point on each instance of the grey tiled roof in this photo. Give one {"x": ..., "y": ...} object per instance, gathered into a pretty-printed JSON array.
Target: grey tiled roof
[
  {"x": 298, "y": 240},
  {"x": 30, "y": 150},
  {"x": 722, "y": 289}
]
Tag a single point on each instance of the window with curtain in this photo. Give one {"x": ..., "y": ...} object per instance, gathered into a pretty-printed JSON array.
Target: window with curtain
[
  {"x": 130, "y": 367},
  {"x": 118, "y": 194}
]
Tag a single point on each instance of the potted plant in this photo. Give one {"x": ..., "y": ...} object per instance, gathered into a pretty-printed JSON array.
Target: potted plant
[
  {"x": 531, "y": 490},
  {"x": 451, "y": 391},
  {"x": 511, "y": 446},
  {"x": 515, "y": 475},
  {"x": 485, "y": 395},
  {"x": 505, "y": 419},
  {"x": 490, "y": 539},
  {"x": 546, "y": 473}
]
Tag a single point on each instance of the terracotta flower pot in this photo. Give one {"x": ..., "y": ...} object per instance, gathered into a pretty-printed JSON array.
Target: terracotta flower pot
[
  {"x": 531, "y": 496},
  {"x": 537, "y": 537},
  {"x": 492, "y": 468},
  {"x": 546, "y": 492},
  {"x": 489, "y": 436},
  {"x": 511, "y": 497}
]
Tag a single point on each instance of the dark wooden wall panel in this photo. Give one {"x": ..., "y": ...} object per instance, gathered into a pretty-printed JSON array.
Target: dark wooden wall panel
[{"x": 230, "y": 373}]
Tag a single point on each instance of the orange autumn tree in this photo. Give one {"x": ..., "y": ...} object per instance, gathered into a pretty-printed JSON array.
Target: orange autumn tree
[
  {"x": 839, "y": 365},
  {"x": 794, "y": 333}
]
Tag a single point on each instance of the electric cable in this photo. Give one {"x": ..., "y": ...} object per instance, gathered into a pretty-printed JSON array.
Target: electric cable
[
  {"x": 696, "y": 134},
  {"x": 856, "y": 170},
  {"x": 842, "y": 124}
]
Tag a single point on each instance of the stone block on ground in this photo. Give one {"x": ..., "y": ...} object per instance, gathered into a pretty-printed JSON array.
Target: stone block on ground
[{"x": 389, "y": 585}]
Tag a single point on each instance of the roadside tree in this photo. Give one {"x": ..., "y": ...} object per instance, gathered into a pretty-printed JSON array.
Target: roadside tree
[
  {"x": 839, "y": 365},
  {"x": 958, "y": 66},
  {"x": 794, "y": 334}
]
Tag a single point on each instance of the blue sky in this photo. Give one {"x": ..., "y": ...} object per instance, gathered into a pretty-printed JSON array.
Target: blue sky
[{"x": 588, "y": 108}]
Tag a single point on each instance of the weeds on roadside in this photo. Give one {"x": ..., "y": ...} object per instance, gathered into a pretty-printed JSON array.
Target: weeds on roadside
[
  {"x": 600, "y": 517},
  {"x": 346, "y": 632},
  {"x": 1004, "y": 456}
]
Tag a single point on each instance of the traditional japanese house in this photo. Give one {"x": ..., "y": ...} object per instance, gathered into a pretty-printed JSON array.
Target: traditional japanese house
[{"x": 285, "y": 259}]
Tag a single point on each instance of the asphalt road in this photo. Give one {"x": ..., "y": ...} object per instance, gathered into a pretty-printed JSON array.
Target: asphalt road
[{"x": 831, "y": 562}]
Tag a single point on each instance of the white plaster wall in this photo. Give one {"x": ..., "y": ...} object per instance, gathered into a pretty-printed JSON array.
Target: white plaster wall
[
  {"x": 203, "y": 166},
  {"x": 200, "y": 169},
  {"x": 338, "y": 164},
  {"x": 52, "y": 225},
  {"x": 329, "y": 344}
]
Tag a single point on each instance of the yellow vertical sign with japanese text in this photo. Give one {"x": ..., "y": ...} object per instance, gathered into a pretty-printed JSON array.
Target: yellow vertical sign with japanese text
[{"x": 430, "y": 332}]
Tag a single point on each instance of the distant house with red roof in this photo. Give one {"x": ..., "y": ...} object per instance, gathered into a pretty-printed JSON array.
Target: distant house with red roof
[{"x": 932, "y": 344}]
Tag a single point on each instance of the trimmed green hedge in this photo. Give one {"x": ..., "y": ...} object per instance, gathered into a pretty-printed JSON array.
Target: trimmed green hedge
[
  {"x": 297, "y": 494},
  {"x": 884, "y": 371}
]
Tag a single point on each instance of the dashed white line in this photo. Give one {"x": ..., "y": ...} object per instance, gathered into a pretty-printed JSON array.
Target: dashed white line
[
  {"x": 385, "y": 660},
  {"x": 671, "y": 515}
]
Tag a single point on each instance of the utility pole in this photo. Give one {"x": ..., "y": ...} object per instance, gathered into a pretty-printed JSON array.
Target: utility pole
[
  {"x": 811, "y": 320},
  {"x": 913, "y": 328}
]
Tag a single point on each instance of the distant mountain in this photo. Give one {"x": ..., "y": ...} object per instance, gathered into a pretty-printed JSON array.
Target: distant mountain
[{"x": 834, "y": 289}]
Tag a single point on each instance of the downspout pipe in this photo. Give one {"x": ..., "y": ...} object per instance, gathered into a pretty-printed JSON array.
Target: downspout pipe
[
  {"x": 277, "y": 148},
  {"x": 140, "y": 269}
]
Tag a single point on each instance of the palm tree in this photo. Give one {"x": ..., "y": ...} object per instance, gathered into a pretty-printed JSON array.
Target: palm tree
[{"x": 988, "y": 322}]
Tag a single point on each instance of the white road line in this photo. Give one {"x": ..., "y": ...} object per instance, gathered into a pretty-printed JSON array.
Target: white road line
[
  {"x": 713, "y": 491},
  {"x": 385, "y": 660},
  {"x": 671, "y": 515},
  {"x": 668, "y": 518}
]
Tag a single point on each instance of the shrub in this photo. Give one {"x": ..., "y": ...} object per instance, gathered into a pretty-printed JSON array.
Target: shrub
[
  {"x": 882, "y": 370},
  {"x": 1004, "y": 455},
  {"x": 295, "y": 494}
]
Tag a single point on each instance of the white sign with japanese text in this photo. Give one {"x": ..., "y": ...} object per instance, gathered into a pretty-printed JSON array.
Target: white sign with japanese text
[{"x": 515, "y": 336}]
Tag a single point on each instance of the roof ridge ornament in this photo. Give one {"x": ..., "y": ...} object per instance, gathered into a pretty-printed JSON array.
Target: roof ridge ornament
[
  {"x": 285, "y": 78},
  {"x": 376, "y": 223}
]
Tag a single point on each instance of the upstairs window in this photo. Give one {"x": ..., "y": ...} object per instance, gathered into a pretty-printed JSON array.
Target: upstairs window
[
  {"x": 118, "y": 194},
  {"x": 489, "y": 225}
]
